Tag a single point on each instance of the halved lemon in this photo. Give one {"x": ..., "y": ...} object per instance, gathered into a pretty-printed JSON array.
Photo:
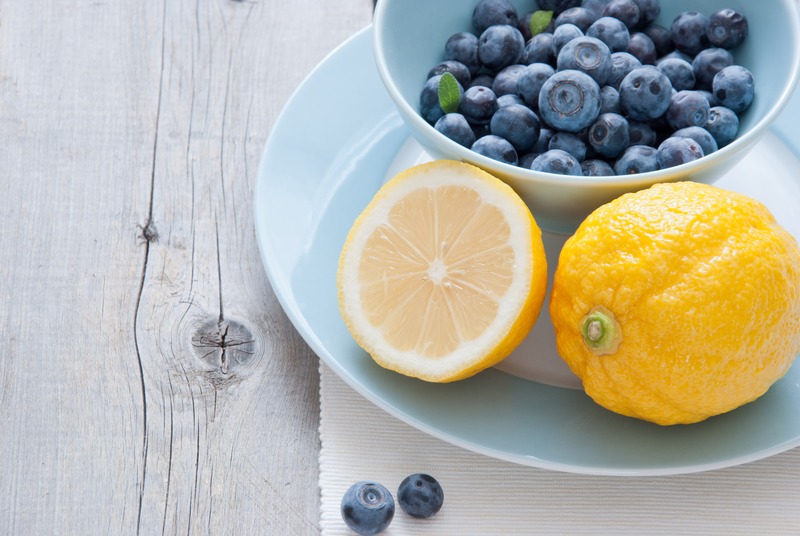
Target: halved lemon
[{"x": 443, "y": 274}]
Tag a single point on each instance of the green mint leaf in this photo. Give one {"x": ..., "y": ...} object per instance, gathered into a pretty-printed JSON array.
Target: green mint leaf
[
  {"x": 540, "y": 20},
  {"x": 449, "y": 96}
]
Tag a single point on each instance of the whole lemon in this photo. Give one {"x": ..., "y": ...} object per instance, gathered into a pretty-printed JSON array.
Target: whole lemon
[{"x": 677, "y": 303}]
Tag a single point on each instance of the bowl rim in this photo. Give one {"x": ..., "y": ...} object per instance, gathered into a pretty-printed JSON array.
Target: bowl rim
[{"x": 792, "y": 8}]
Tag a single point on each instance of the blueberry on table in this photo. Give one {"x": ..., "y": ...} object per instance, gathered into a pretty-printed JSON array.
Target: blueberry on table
[
  {"x": 579, "y": 16},
  {"x": 701, "y": 136},
  {"x": 478, "y": 105},
  {"x": 708, "y": 63},
  {"x": 456, "y": 127},
  {"x": 645, "y": 93},
  {"x": 625, "y": 10},
  {"x": 558, "y": 162},
  {"x": 680, "y": 73},
  {"x": 531, "y": 80},
  {"x": 727, "y": 28},
  {"x": 463, "y": 48},
  {"x": 367, "y": 507},
  {"x": 492, "y": 12},
  {"x": 596, "y": 168},
  {"x": 539, "y": 49},
  {"x": 588, "y": 55},
  {"x": 500, "y": 46},
  {"x": 517, "y": 124},
  {"x": 612, "y": 32},
  {"x": 734, "y": 88},
  {"x": 675, "y": 151},
  {"x": 689, "y": 32},
  {"x": 723, "y": 125},
  {"x": 420, "y": 495},
  {"x": 637, "y": 159},
  {"x": 569, "y": 100},
  {"x": 496, "y": 148},
  {"x": 609, "y": 135},
  {"x": 687, "y": 109}
]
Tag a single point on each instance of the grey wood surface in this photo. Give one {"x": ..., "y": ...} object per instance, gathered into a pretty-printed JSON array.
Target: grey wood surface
[{"x": 149, "y": 381}]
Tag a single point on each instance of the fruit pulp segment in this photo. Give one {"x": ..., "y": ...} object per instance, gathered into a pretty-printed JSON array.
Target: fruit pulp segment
[{"x": 443, "y": 255}]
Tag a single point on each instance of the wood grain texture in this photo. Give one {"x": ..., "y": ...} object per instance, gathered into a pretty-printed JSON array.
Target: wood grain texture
[{"x": 149, "y": 381}]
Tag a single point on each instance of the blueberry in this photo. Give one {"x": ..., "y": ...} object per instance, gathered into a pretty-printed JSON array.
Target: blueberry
[
  {"x": 676, "y": 151},
  {"x": 609, "y": 100},
  {"x": 734, "y": 88},
  {"x": 625, "y": 10},
  {"x": 517, "y": 124},
  {"x": 480, "y": 130},
  {"x": 367, "y": 507},
  {"x": 539, "y": 49},
  {"x": 456, "y": 127},
  {"x": 643, "y": 48},
  {"x": 524, "y": 26},
  {"x": 429, "y": 100},
  {"x": 679, "y": 72},
  {"x": 649, "y": 10},
  {"x": 595, "y": 6},
  {"x": 543, "y": 143},
  {"x": 645, "y": 93},
  {"x": 500, "y": 46},
  {"x": 456, "y": 68},
  {"x": 708, "y": 63},
  {"x": 637, "y": 159},
  {"x": 689, "y": 32},
  {"x": 596, "y": 168},
  {"x": 558, "y": 6},
  {"x": 687, "y": 109},
  {"x": 492, "y": 12},
  {"x": 483, "y": 79},
  {"x": 558, "y": 162},
  {"x": 727, "y": 28},
  {"x": 621, "y": 64},
  {"x": 569, "y": 100},
  {"x": 570, "y": 143},
  {"x": 508, "y": 99},
  {"x": 527, "y": 159},
  {"x": 463, "y": 48},
  {"x": 661, "y": 37},
  {"x": 609, "y": 135},
  {"x": 588, "y": 55},
  {"x": 478, "y": 105},
  {"x": 579, "y": 16},
  {"x": 712, "y": 100},
  {"x": 496, "y": 148},
  {"x": 563, "y": 35},
  {"x": 420, "y": 495},
  {"x": 701, "y": 136},
  {"x": 612, "y": 32},
  {"x": 505, "y": 81},
  {"x": 642, "y": 133},
  {"x": 531, "y": 80},
  {"x": 675, "y": 54},
  {"x": 723, "y": 124}
]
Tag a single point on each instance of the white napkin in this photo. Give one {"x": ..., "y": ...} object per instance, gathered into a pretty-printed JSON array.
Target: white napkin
[{"x": 484, "y": 496}]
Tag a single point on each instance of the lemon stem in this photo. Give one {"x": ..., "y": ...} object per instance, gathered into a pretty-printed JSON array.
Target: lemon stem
[{"x": 601, "y": 331}]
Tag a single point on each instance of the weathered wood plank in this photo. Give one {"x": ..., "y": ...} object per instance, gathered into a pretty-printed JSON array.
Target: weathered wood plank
[{"x": 149, "y": 381}]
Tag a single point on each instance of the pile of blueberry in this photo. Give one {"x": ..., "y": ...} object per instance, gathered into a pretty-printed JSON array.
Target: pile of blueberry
[
  {"x": 602, "y": 90},
  {"x": 368, "y": 507}
]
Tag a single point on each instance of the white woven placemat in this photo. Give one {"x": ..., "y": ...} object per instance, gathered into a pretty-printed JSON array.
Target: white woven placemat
[{"x": 484, "y": 496}]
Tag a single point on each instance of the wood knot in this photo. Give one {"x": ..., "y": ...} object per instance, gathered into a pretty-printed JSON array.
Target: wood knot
[
  {"x": 224, "y": 345},
  {"x": 148, "y": 232}
]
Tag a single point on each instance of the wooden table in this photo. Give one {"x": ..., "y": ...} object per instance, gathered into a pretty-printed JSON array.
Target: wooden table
[{"x": 149, "y": 381}]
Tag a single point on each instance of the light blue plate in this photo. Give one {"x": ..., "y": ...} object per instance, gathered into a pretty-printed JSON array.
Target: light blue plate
[{"x": 329, "y": 153}]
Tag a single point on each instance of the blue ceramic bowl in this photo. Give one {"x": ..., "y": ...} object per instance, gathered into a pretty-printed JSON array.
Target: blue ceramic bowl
[{"x": 409, "y": 38}]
